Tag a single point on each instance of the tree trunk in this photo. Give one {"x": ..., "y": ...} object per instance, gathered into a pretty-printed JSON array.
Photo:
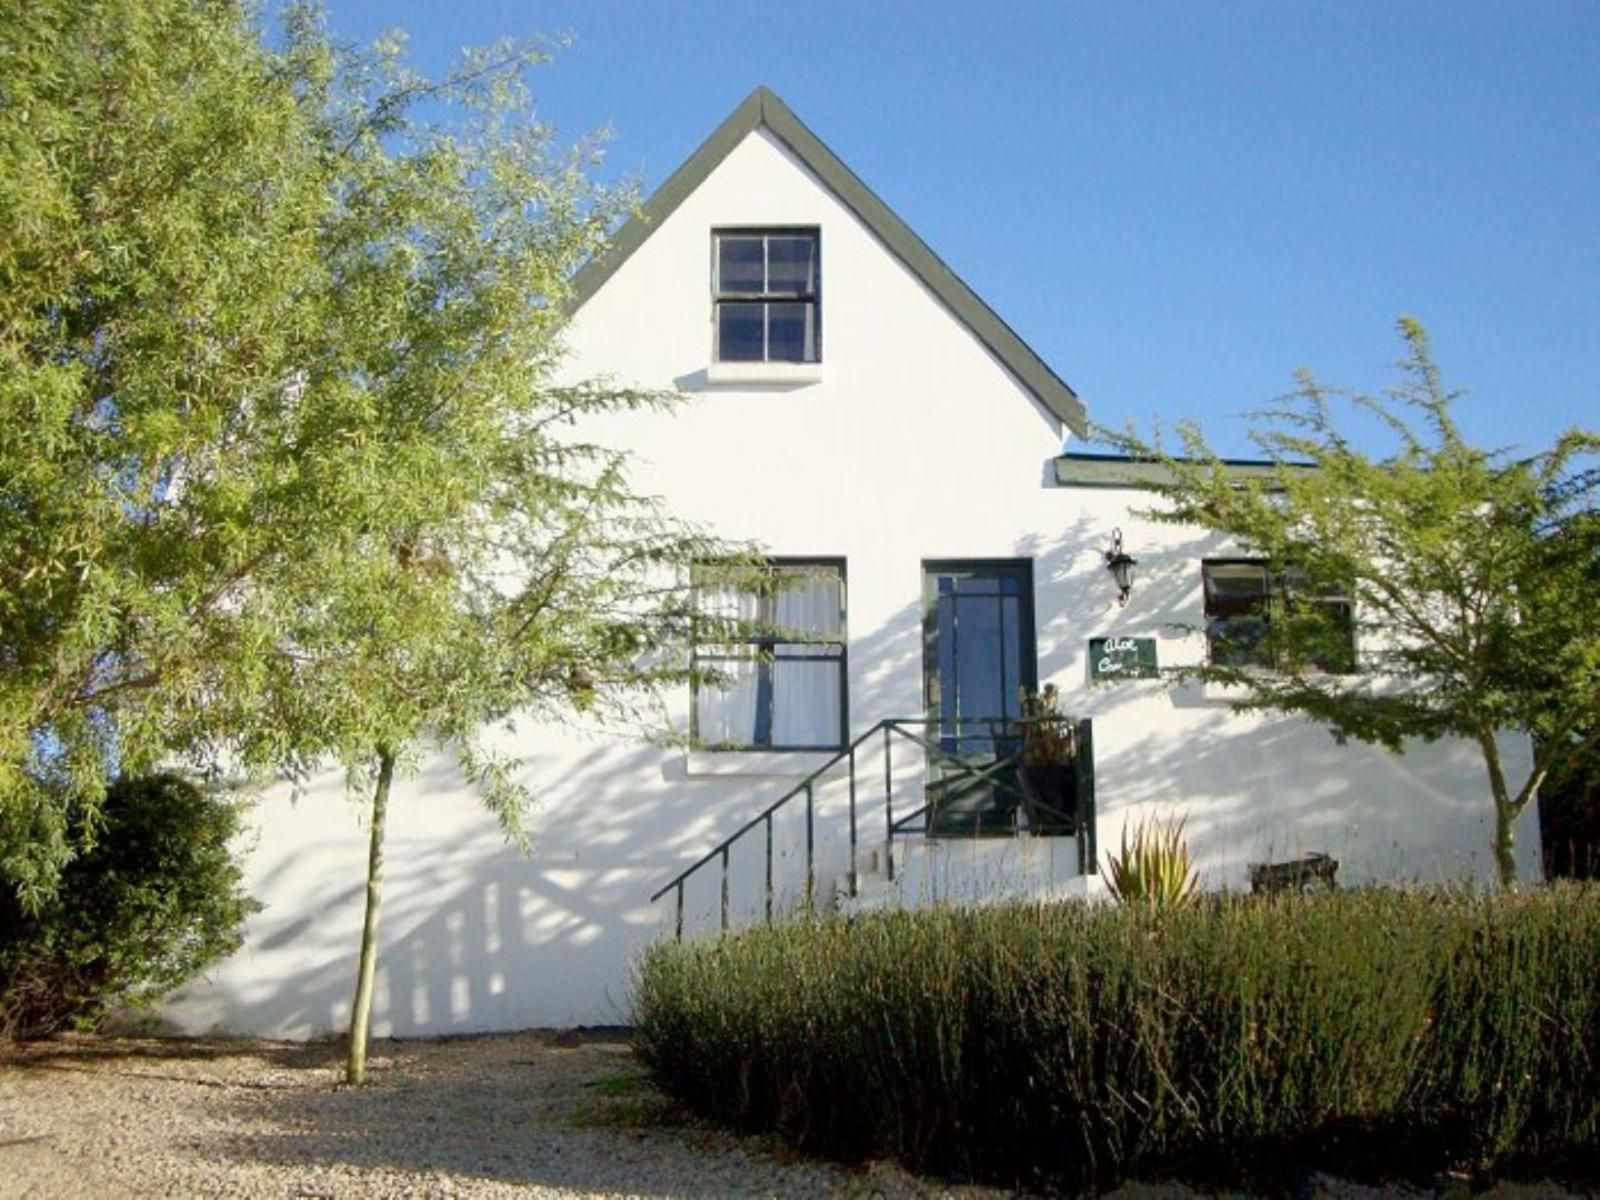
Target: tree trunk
[
  {"x": 1505, "y": 811},
  {"x": 355, "y": 1071}
]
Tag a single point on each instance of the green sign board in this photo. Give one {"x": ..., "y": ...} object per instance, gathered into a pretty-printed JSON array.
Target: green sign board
[{"x": 1122, "y": 658}]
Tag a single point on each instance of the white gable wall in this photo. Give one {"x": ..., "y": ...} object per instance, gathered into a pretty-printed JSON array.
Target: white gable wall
[{"x": 915, "y": 443}]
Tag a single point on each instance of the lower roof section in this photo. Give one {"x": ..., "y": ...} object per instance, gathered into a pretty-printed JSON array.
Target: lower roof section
[{"x": 1123, "y": 471}]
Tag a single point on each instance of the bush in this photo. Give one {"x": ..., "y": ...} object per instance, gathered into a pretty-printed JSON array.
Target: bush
[
  {"x": 1073, "y": 1045},
  {"x": 153, "y": 901}
]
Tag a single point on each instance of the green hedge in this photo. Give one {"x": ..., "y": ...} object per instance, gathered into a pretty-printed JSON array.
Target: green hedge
[
  {"x": 1370, "y": 1031},
  {"x": 150, "y": 903}
]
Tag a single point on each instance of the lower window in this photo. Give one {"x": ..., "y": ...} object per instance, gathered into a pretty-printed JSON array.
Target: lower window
[
  {"x": 1246, "y": 598},
  {"x": 769, "y": 670}
]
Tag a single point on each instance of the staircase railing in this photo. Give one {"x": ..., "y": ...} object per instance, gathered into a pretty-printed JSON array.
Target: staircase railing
[{"x": 954, "y": 771}]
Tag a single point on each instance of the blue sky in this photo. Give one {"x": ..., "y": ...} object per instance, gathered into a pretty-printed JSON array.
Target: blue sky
[{"x": 1176, "y": 204}]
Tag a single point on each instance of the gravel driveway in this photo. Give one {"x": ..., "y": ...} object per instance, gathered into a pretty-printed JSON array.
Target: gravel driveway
[{"x": 532, "y": 1114}]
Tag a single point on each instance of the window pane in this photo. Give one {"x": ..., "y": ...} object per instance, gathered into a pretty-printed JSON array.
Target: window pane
[
  {"x": 1239, "y": 641},
  {"x": 1234, "y": 582},
  {"x": 739, "y": 266},
  {"x": 726, "y": 610},
  {"x": 809, "y": 604},
  {"x": 791, "y": 335},
  {"x": 739, "y": 329},
  {"x": 805, "y": 703},
  {"x": 726, "y": 714},
  {"x": 791, "y": 265}
]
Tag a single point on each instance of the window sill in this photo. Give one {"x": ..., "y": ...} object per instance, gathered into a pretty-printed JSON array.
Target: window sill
[
  {"x": 763, "y": 374},
  {"x": 794, "y": 764}
]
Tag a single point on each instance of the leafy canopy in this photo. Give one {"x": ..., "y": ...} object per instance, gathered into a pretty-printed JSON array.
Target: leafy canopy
[{"x": 286, "y": 474}]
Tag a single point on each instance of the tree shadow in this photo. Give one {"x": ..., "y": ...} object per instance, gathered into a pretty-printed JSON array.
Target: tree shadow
[{"x": 477, "y": 937}]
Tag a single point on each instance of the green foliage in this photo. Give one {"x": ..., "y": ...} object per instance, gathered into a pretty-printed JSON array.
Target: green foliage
[
  {"x": 159, "y": 284},
  {"x": 1473, "y": 574},
  {"x": 1073, "y": 1045},
  {"x": 289, "y": 476},
  {"x": 151, "y": 905},
  {"x": 1155, "y": 869}
]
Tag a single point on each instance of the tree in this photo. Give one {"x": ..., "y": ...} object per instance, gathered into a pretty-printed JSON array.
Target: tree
[
  {"x": 340, "y": 511},
  {"x": 1471, "y": 575},
  {"x": 512, "y": 572},
  {"x": 173, "y": 437}
]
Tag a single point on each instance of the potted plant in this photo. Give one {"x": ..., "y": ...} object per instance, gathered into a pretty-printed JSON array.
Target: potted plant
[{"x": 1047, "y": 766}]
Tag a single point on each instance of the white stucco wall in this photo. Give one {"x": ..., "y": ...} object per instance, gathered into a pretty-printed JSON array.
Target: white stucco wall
[{"x": 913, "y": 444}]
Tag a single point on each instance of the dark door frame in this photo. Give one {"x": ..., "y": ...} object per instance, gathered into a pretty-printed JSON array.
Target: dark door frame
[{"x": 1027, "y": 642}]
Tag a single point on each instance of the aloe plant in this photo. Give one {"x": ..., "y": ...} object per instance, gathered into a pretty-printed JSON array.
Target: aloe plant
[{"x": 1155, "y": 869}]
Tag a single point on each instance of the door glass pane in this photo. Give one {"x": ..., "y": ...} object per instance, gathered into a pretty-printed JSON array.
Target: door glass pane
[
  {"x": 790, "y": 336},
  {"x": 791, "y": 265},
  {"x": 946, "y": 642},
  {"x": 739, "y": 333},
  {"x": 979, "y": 669},
  {"x": 1011, "y": 655},
  {"x": 739, "y": 265}
]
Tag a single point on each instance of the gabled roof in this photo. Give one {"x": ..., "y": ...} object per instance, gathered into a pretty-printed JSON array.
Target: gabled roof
[{"x": 762, "y": 109}]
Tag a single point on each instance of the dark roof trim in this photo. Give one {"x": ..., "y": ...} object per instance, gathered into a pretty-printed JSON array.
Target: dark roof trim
[
  {"x": 763, "y": 108},
  {"x": 1120, "y": 471}
]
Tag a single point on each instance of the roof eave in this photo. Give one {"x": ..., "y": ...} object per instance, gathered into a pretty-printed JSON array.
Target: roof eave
[{"x": 1122, "y": 471}]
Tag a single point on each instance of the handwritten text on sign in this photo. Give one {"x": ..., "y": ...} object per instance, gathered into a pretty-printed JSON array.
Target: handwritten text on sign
[{"x": 1122, "y": 658}]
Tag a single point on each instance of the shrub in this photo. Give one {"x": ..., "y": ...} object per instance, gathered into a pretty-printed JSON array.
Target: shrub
[
  {"x": 1156, "y": 868},
  {"x": 1072, "y": 1045},
  {"x": 149, "y": 904}
]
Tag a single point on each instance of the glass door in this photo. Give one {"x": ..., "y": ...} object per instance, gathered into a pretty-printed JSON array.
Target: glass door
[{"x": 978, "y": 654}]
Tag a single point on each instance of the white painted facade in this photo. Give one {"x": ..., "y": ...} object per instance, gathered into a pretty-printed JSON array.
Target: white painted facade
[{"x": 909, "y": 442}]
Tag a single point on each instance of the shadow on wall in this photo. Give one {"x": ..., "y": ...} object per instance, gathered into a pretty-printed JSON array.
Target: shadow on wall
[
  {"x": 474, "y": 935},
  {"x": 477, "y": 937},
  {"x": 1254, "y": 787}
]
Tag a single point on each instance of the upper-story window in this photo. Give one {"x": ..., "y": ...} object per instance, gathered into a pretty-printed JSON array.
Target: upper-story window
[
  {"x": 1244, "y": 597},
  {"x": 765, "y": 286}
]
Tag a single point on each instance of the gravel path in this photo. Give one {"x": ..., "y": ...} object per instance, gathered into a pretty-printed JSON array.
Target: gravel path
[
  {"x": 530, "y": 1115},
  {"x": 524, "y": 1115}
]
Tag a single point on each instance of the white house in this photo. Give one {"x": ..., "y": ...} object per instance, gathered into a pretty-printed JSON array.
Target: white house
[{"x": 859, "y": 411}]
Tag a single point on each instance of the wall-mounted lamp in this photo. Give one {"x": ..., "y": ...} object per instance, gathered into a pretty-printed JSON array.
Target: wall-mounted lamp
[{"x": 1121, "y": 565}]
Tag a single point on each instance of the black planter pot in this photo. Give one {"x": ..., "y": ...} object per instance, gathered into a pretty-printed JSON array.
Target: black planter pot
[{"x": 1050, "y": 797}]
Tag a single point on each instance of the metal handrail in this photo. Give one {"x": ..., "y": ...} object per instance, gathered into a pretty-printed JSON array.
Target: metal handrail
[{"x": 888, "y": 726}]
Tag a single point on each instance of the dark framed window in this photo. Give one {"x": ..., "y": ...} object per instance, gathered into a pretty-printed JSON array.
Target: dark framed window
[
  {"x": 769, "y": 669},
  {"x": 766, "y": 289},
  {"x": 1245, "y": 597}
]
